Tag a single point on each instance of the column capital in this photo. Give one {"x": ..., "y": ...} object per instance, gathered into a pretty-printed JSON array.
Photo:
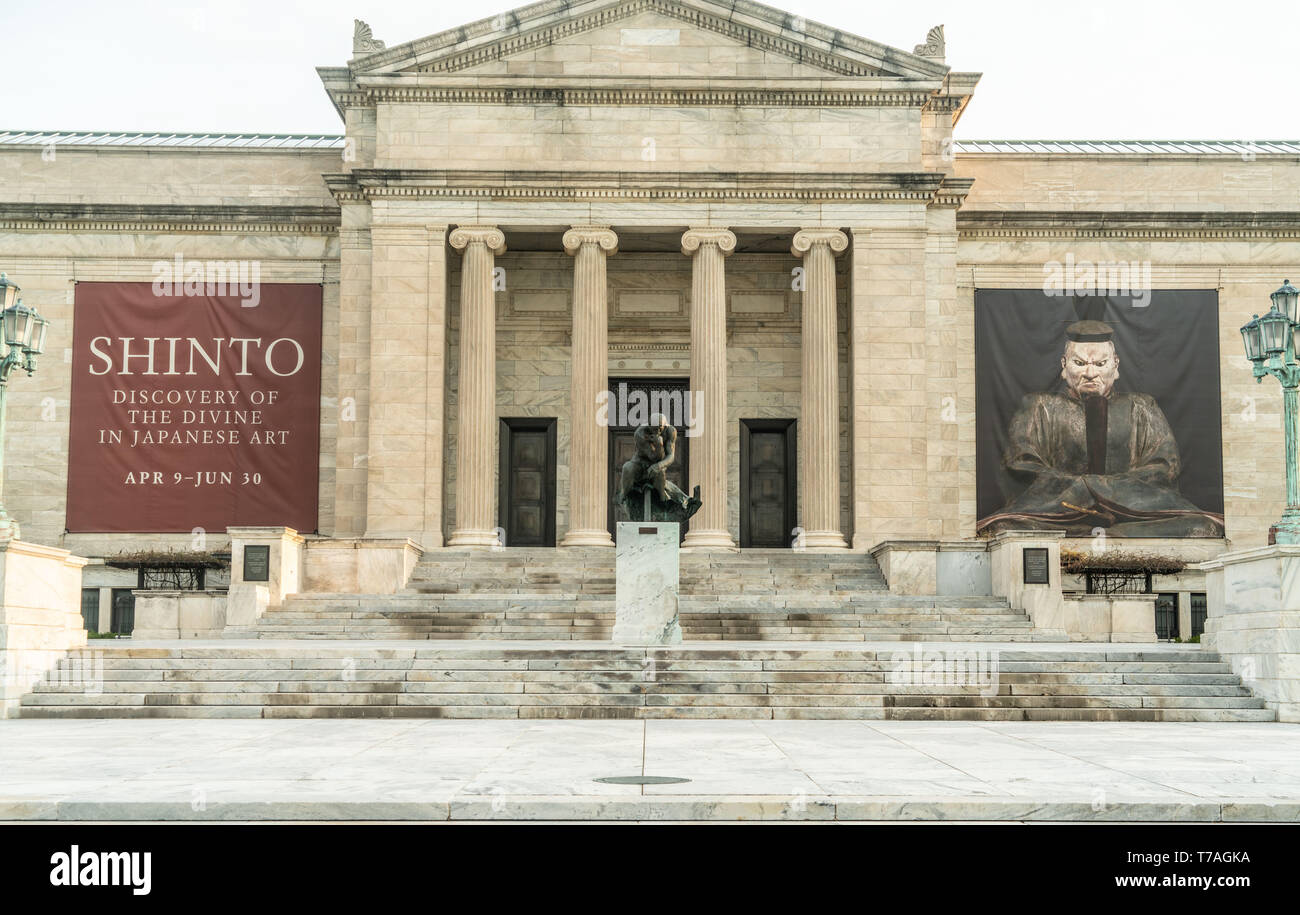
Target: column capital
[
  {"x": 490, "y": 236},
  {"x": 578, "y": 236},
  {"x": 695, "y": 236},
  {"x": 805, "y": 239}
]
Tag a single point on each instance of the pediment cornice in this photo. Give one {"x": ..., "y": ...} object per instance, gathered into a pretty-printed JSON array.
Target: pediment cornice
[
  {"x": 790, "y": 93},
  {"x": 747, "y": 23}
]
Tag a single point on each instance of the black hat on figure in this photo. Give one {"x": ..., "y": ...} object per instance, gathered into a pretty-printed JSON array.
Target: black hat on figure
[{"x": 1090, "y": 332}]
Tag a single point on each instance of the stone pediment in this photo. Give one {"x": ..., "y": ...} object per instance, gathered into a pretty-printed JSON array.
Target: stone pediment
[{"x": 646, "y": 38}]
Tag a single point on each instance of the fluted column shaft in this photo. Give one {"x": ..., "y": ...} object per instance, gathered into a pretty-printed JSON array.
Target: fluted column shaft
[
  {"x": 819, "y": 417},
  {"x": 476, "y": 423},
  {"x": 707, "y": 247},
  {"x": 589, "y": 376}
]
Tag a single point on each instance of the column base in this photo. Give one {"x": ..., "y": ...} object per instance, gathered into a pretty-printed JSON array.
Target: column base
[
  {"x": 711, "y": 540},
  {"x": 597, "y": 538},
  {"x": 824, "y": 540},
  {"x": 1287, "y": 531},
  {"x": 474, "y": 538}
]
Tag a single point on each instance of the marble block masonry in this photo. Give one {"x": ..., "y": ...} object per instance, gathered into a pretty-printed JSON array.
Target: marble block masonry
[
  {"x": 40, "y": 617},
  {"x": 1254, "y": 621},
  {"x": 647, "y": 582}
]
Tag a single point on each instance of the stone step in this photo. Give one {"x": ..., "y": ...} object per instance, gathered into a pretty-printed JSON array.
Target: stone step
[
  {"x": 1037, "y": 677},
  {"x": 482, "y": 693},
  {"x": 658, "y": 692},
  {"x": 1042, "y": 674},
  {"x": 652, "y": 712},
  {"x": 909, "y": 621},
  {"x": 454, "y": 659},
  {"x": 124, "y": 652},
  {"x": 199, "y": 652}
]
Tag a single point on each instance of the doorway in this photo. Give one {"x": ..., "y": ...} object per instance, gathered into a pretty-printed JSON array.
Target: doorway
[
  {"x": 122, "y": 621},
  {"x": 768, "y": 486},
  {"x": 526, "y": 483}
]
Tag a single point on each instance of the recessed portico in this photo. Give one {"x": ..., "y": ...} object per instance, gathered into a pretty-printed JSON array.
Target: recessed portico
[{"x": 539, "y": 320}]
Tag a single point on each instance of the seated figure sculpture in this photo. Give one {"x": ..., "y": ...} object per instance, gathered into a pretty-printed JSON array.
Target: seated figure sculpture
[
  {"x": 644, "y": 481},
  {"x": 1090, "y": 457}
]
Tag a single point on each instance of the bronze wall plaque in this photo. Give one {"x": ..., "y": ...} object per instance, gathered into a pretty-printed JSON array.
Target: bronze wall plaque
[
  {"x": 1036, "y": 570},
  {"x": 257, "y": 562}
]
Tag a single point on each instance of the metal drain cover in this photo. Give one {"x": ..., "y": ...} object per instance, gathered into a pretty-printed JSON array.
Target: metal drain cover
[{"x": 642, "y": 780}]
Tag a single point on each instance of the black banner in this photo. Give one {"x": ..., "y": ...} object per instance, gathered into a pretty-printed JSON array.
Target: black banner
[{"x": 1123, "y": 436}]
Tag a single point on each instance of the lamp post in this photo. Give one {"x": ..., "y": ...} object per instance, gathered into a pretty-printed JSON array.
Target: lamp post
[
  {"x": 24, "y": 340},
  {"x": 1271, "y": 347}
]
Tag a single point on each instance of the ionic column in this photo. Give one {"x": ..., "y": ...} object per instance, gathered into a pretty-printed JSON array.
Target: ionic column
[
  {"x": 819, "y": 417},
  {"x": 476, "y": 424},
  {"x": 707, "y": 247},
  {"x": 588, "y": 439}
]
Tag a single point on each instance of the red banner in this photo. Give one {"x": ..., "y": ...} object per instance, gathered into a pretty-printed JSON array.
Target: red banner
[{"x": 194, "y": 411}]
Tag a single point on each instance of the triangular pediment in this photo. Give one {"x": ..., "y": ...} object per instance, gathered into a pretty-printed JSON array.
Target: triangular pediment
[{"x": 653, "y": 38}]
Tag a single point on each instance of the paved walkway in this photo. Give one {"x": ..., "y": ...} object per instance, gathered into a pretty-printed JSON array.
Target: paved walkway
[{"x": 817, "y": 770}]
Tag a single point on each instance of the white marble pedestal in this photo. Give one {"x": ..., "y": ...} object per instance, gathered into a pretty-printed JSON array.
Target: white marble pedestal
[{"x": 646, "y": 583}]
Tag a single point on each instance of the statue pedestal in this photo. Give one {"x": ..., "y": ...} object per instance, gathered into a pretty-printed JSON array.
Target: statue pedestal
[{"x": 646, "y": 583}]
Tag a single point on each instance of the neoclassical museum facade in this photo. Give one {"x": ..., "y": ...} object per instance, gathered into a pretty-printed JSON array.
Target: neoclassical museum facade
[{"x": 537, "y": 227}]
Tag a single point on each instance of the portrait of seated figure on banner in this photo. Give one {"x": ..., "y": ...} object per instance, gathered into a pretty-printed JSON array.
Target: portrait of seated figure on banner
[{"x": 1093, "y": 449}]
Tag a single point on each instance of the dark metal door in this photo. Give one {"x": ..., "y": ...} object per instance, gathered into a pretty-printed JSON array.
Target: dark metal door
[
  {"x": 768, "y": 491},
  {"x": 123, "y": 619},
  {"x": 527, "y": 482},
  {"x": 1167, "y": 616},
  {"x": 90, "y": 609},
  {"x": 1199, "y": 612}
]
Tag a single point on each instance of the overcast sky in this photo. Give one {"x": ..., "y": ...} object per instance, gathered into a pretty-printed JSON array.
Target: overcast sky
[{"x": 1106, "y": 69}]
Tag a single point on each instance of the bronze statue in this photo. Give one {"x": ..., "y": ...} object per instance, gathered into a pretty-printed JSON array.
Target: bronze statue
[{"x": 644, "y": 490}]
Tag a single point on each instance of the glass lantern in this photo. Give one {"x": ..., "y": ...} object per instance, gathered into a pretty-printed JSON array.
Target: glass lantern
[
  {"x": 1253, "y": 340},
  {"x": 1275, "y": 327},
  {"x": 38, "y": 336},
  {"x": 8, "y": 292},
  {"x": 1285, "y": 300},
  {"x": 19, "y": 326}
]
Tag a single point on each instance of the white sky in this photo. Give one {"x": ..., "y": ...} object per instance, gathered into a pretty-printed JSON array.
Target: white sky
[{"x": 1105, "y": 69}]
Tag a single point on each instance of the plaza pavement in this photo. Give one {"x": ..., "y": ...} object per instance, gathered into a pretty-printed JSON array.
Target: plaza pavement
[{"x": 435, "y": 769}]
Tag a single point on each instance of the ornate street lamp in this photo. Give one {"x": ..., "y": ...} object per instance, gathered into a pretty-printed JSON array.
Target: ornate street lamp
[
  {"x": 1271, "y": 345},
  {"x": 24, "y": 340}
]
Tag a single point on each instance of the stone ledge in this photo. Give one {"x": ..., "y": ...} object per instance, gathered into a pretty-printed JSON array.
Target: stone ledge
[
  {"x": 688, "y": 808},
  {"x": 1122, "y": 222}
]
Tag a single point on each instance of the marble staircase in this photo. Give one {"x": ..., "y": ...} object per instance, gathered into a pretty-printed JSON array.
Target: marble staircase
[
  {"x": 770, "y": 634},
  {"x": 264, "y": 679},
  {"x": 568, "y": 594}
]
